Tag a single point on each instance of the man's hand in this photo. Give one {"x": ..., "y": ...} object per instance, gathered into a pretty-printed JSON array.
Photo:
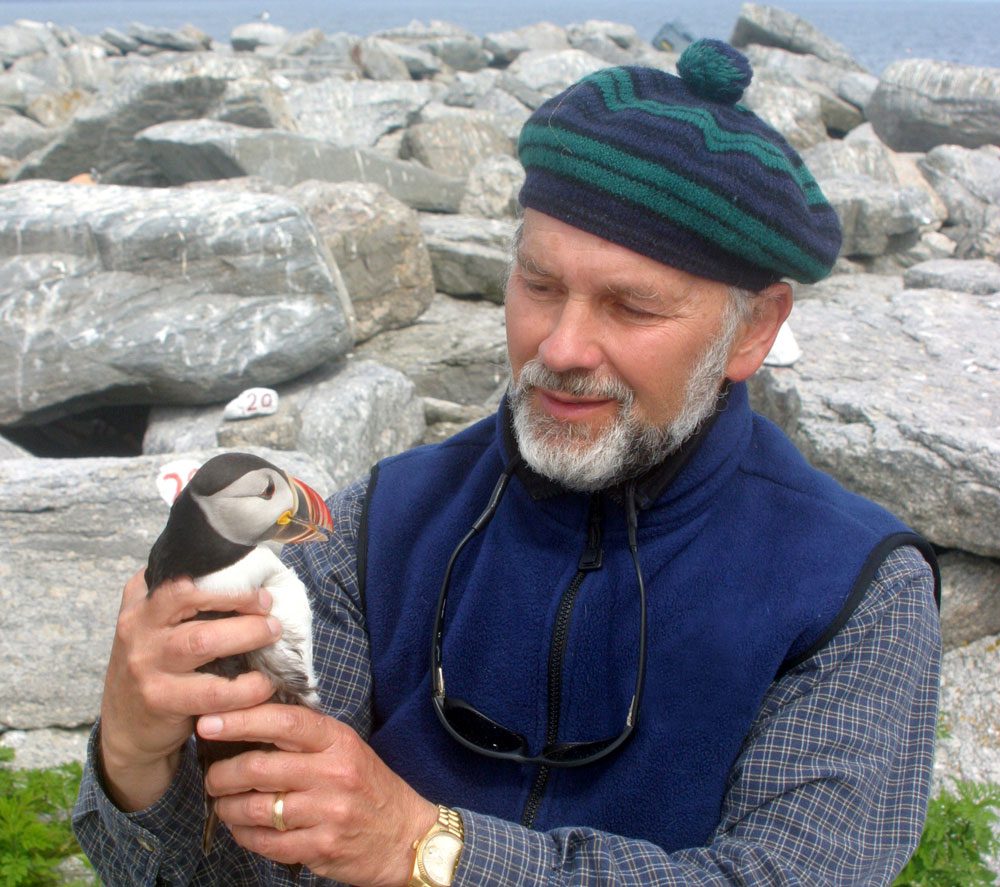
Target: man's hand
[
  {"x": 348, "y": 816},
  {"x": 152, "y": 691}
]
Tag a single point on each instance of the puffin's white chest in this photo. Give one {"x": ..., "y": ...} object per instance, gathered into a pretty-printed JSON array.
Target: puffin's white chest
[{"x": 261, "y": 568}]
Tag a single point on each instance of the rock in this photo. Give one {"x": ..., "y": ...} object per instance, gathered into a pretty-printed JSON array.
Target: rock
[
  {"x": 877, "y": 218},
  {"x": 842, "y": 94},
  {"x": 969, "y": 184},
  {"x": 73, "y": 531},
  {"x": 57, "y": 109},
  {"x": 895, "y": 396},
  {"x": 616, "y": 44},
  {"x": 356, "y": 112},
  {"x": 769, "y": 26},
  {"x": 24, "y": 38},
  {"x": 920, "y": 104},
  {"x": 18, "y": 89},
  {"x": 354, "y": 414},
  {"x": 10, "y": 450},
  {"x": 548, "y": 73},
  {"x": 970, "y": 604},
  {"x": 508, "y": 113},
  {"x": 379, "y": 247},
  {"x": 101, "y": 136},
  {"x": 112, "y": 295},
  {"x": 456, "y": 351},
  {"x": 979, "y": 277},
  {"x": 796, "y": 113},
  {"x": 453, "y": 145},
  {"x": 505, "y": 46},
  {"x": 171, "y": 429},
  {"x": 19, "y": 136},
  {"x": 469, "y": 255},
  {"x": 378, "y": 61},
  {"x": 121, "y": 41},
  {"x": 466, "y": 88},
  {"x": 42, "y": 749},
  {"x": 185, "y": 39},
  {"x": 309, "y": 41},
  {"x": 196, "y": 150},
  {"x": 860, "y": 157},
  {"x": 279, "y": 431},
  {"x": 492, "y": 187},
  {"x": 457, "y": 48},
  {"x": 247, "y": 37}
]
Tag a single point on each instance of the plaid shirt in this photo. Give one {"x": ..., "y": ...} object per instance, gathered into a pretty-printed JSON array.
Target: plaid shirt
[{"x": 829, "y": 789}]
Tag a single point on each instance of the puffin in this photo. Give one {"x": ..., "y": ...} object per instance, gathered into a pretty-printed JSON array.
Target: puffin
[{"x": 223, "y": 532}]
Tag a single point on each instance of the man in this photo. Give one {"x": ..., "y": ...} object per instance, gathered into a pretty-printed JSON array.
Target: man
[{"x": 620, "y": 631}]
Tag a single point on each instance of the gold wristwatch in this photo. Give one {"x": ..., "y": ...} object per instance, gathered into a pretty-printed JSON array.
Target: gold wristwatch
[{"x": 437, "y": 851}]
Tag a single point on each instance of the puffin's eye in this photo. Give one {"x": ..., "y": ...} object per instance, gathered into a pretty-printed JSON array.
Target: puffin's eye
[{"x": 269, "y": 491}]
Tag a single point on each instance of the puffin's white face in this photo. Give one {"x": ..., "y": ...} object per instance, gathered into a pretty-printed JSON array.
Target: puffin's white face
[{"x": 250, "y": 509}]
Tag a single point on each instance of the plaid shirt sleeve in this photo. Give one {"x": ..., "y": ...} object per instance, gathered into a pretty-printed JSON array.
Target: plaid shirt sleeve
[{"x": 830, "y": 787}]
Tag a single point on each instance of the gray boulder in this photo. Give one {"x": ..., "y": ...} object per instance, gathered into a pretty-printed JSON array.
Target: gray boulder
[
  {"x": 769, "y": 26},
  {"x": 492, "y": 187},
  {"x": 795, "y": 112},
  {"x": 456, "y": 351},
  {"x": 10, "y": 450},
  {"x": 617, "y": 44},
  {"x": 505, "y": 46},
  {"x": 970, "y": 605},
  {"x": 378, "y": 60},
  {"x": 249, "y": 36},
  {"x": 920, "y": 104},
  {"x": 980, "y": 277},
  {"x": 357, "y": 112},
  {"x": 548, "y": 73},
  {"x": 378, "y": 245},
  {"x": 184, "y": 39},
  {"x": 101, "y": 136},
  {"x": 25, "y": 38},
  {"x": 969, "y": 184},
  {"x": 877, "y": 218},
  {"x": 454, "y": 144},
  {"x": 130, "y": 295},
  {"x": 197, "y": 150},
  {"x": 895, "y": 395},
  {"x": 347, "y": 415},
  {"x": 469, "y": 255},
  {"x": 19, "y": 136},
  {"x": 73, "y": 531},
  {"x": 459, "y": 49}
]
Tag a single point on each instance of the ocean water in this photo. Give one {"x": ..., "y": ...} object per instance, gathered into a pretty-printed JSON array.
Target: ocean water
[{"x": 876, "y": 32}]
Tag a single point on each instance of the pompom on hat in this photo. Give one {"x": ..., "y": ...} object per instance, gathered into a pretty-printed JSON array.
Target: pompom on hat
[{"x": 672, "y": 168}]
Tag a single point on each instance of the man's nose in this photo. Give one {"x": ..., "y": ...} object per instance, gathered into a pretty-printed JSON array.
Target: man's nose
[{"x": 573, "y": 340}]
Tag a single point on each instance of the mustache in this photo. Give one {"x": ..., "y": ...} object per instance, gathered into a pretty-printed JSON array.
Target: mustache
[{"x": 576, "y": 383}]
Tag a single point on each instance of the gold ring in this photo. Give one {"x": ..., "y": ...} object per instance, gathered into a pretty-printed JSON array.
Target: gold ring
[{"x": 277, "y": 811}]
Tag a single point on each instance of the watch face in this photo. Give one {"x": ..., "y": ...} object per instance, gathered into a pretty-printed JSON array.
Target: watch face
[{"x": 439, "y": 856}]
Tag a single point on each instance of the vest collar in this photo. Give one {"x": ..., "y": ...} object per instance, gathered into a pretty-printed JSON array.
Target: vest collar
[{"x": 648, "y": 487}]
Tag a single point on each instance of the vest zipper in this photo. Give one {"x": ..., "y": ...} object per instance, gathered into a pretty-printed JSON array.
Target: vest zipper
[{"x": 591, "y": 559}]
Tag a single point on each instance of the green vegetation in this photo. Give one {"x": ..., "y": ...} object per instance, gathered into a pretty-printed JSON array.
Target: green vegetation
[
  {"x": 958, "y": 837},
  {"x": 35, "y": 832}
]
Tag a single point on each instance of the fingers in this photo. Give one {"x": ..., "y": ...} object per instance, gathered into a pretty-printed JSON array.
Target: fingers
[
  {"x": 198, "y": 694},
  {"x": 199, "y": 641},
  {"x": 257, "y": 809},
  {"x": 178, "y": 600},
  {"x": 289, "y": 727}
]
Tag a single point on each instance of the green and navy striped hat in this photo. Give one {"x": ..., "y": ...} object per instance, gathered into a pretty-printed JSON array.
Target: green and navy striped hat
[{"x": 672, "y": 168}]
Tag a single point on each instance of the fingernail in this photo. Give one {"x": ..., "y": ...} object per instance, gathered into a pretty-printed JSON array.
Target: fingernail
[
  {"x": 274, "y": 626},
  {"x": 264, "y": 599},
  {"x": 210, "y": 725}
]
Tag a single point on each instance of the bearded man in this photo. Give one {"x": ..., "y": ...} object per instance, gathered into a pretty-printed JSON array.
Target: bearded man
[{"x": 618, "y": 633}]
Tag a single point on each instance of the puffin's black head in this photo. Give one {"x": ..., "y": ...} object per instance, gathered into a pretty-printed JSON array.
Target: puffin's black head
[{"x": 233, "y": 503}]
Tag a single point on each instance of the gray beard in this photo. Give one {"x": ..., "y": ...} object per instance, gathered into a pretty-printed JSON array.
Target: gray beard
[{"x": 579, "y": 460}]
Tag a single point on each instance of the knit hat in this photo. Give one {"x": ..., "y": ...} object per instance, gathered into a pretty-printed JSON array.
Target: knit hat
[{"x": 672, "y": 168}]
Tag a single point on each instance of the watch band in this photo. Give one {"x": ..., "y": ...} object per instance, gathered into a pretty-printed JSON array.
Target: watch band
[{"x": 448, "y": 823}]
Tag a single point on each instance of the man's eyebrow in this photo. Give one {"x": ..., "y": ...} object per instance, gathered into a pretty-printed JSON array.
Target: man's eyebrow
[
  {"x": 638, "y": 293},
  {"x": 527, "y": 263}
]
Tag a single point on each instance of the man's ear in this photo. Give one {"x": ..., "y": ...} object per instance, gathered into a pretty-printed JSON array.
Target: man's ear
[{"x": 755, "y": 338}]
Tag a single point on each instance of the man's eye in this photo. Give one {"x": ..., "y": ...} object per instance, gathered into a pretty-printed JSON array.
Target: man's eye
[{"x": 268, "y": 490}]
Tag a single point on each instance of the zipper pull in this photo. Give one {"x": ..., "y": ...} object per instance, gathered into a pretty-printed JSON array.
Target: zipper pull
[{"x": 593, "y": 554}]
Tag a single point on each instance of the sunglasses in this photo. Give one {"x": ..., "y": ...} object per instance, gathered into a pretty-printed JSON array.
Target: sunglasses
[{"x": 479, "y": 733}]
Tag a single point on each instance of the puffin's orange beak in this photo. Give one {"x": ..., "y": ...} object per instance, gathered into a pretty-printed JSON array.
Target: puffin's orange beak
[{"x": 308, "y": 520}]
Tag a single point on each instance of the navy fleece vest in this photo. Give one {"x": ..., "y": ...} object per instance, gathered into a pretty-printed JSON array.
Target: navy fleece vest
[{"x": 750, "y": 559}]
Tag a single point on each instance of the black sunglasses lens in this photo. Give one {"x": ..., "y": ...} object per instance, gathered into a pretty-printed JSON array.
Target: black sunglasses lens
[
  {"x": 568, "y": 752},
  {"x": 475, "y": 727}
]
